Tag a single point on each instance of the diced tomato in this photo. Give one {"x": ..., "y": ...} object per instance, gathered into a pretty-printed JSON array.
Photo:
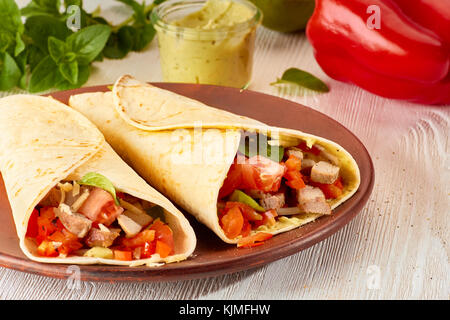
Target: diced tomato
[
  {"x": 331, "y": 191},
  {"x": 47, "y": 223},
  {"x": 93, "y": 205},
  {"x": 248, "y": 212},
  {"x": 258, "y": 173},
  {"x": 246, "y": 229},
  {"x": 294, "y": 179},
  {"x": 100, "y": 207},
  {"x": 254, "y": 240},
  {"x": 163, "y": 232},
  {"x": 314, "y": 150},
  {"x": 148, "y": 249},
  {"x": 268, "y": 173},
  {"x": 232, "y": 181},
  {"x": 163, "y": 249},
  {"x": 33, "y": 229},
  {"x": 232, "y": 222},
  {"x": 109, "y": 213},
  {"x": 69, "y": 241},
  {"x": 47, "y": 249},
  {"x": 293, "y": 175},
  {"x": 268, "y": 218},
  {"x": 123, "y": 255},
  {"x": 139, "y": 240},
  {"x": 293, "y": 163}
]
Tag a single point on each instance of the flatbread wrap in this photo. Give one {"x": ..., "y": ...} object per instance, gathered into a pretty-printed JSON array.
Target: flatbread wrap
[
  {"x": 74, "y": 200},
  {"x": 245, "y": 180}
]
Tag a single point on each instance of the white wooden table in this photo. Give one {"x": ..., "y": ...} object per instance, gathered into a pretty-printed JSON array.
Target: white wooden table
[{"x": 397, "y": 248}]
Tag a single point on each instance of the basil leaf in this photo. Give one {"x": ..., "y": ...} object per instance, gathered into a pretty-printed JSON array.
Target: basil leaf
[
  {"x": 88, "y": 42},
  {"x": 6, "y": 41},
  {"x": 42, "y": 8},
  {"x": 144, "y": 35},
  {"x": 45, "y": 76},
  {"x": 156, "y": 212},
  {"x": 21, "y": 61},
  {"x": 69, "y": 71},
  {"x": 20, "y": 45},
  {"x": 120, "y": 43},
  {"x": 139, "y": 10},
  {"x": 68, "y": 3},
  {"x": 35, "y": 56},
  {"x": 41, "y": 28},
  {"x": 9, "y": 72},
  {"x": 83, "y": 75},
  {"x": 303, "y": 79},
  {"x": 11, "y": 26},
  {"x": 57, "y": 49},
  {"x": 253, "y": 144},
  {"x": 98, "y": 180}
]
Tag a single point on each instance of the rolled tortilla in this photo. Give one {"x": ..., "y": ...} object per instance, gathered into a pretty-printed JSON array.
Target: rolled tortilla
[
  {"x": 44, "y": 142},
  {"x": 158, "y": 133}
]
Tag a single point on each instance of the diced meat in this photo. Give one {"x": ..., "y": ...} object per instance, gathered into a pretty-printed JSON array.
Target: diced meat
[
  {"x": 308, "y": 163},
  {"x": 100, "y": 207},
  {"x": 255, "y": 194},
  {"x": 312, "y": 200},
  {"x": 102, "y": 237},
  {"x": 294, "y": 151},
  {"x": 129, "y": 226},
  {"x": 327, "y": 155},
  {"x": 139, "y": 217},
  {"x": 272, "y": 201},
  {"x": 76, "y": 223},
  {"x": 324, "y": 172},
  {"x": 109, "y": 213},
  {"x": 52, "y": 199}
]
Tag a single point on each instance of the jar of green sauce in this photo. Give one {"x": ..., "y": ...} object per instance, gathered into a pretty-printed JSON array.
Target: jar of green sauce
[
  {"x": 285, "y": 15},
  {"x": 207, "y": 41}
]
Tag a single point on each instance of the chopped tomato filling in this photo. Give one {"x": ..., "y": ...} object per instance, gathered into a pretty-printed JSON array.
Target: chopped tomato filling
[
  {"x": 100, "y": 207},
  {"x": 331, "y": 191},
  {"x": 123, "y": 255},
  {"x": 96, "y": 213},
  {"x": 232, "y": 222},
  {"x": 256, "y": 189},
  {"x": 254, "y": 240},
  {"x": 257, "y": 173},
  {"x": 156, "y": 239}
]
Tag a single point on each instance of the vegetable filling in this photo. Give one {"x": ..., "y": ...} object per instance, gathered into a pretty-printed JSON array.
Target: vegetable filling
[
  {"x": 267, "y": 181},
  {"x": 88, "y": 218}
]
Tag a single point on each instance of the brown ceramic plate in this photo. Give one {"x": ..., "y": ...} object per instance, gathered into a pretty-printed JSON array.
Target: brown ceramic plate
[{"x": 213, "y": 257}]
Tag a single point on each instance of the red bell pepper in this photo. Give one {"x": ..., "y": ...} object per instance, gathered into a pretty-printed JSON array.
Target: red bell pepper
[{"x": 406, "y": 56}]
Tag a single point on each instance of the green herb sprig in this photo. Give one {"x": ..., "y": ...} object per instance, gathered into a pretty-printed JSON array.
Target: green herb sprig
[
  {"x": 42, "y": 53},
  {"x": 300, "y": 78}
]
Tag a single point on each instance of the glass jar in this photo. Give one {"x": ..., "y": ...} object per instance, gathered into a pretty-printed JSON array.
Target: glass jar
[{"x": 221, "y": 55}]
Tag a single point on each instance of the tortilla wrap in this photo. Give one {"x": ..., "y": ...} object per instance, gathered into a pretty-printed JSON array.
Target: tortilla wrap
[
  {"x": 44, "y": 142},
  {"x": 157, "y": 132}
]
